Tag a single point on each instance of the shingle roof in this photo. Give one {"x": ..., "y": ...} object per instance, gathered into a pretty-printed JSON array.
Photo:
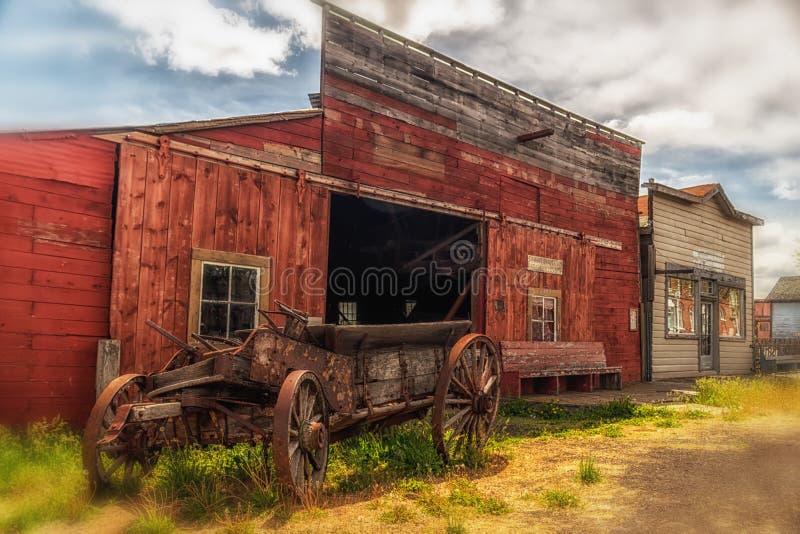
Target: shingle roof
[
  {"x": 787, "y": 288},
  {"x": 699, "y": 190}
]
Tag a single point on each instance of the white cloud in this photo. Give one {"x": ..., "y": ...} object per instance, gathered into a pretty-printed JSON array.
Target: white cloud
[
  {"x": 415, "y": 19},
  {"x": 194, "y": 35},
  {"x": 667, "y": 126},
  {"x": 775, "y": 244},
  {"x": 783, "y": 175}
]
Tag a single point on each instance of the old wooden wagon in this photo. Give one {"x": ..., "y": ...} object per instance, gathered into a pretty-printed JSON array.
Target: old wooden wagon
[{"x": 298, "y": 387}]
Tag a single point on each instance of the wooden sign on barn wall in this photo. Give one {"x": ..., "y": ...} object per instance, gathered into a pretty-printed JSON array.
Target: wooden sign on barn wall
[{"x": 545, "y": 265}]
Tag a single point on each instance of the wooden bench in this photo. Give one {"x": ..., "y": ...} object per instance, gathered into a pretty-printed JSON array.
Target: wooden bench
[{"x": 552, "y": 367}]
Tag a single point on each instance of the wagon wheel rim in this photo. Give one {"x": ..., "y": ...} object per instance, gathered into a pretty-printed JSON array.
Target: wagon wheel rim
[
  {"x": 467, "y": 396},
  {"x": 125, "y": 460},
  {"x": 300, "y": 436}
]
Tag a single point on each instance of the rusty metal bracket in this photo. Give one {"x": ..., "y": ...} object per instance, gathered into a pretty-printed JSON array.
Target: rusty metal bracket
[
  {"x": 163, "y": 155},
  {"x": 301, "y": 185},
  {"x": 117, "y": 424}
]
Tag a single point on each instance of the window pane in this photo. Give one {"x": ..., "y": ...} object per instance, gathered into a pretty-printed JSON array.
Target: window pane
[
  {"x": 243, "y": 282},
  {"x": 730, "y": 311},
  {"x": 537, "y": 334},
  {"x": 680, "y": 306},
  {"x": 549, "y": 331},
  {"x": 242, "y": 317},
  {"x": 213, "y": 318},
  {"x": 215, "y": 281},
  {"x": 549, "y": 309},
  {"x": 536, "y": 309}
]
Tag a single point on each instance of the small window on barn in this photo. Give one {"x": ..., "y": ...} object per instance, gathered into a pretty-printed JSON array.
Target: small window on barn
[
  {"x": 680, "y": 306},
  {"x": 348, "y": 312},
  {"x": 226, "y": 292},
  {"x": 229, "y": 299},
  {"x": 544, "y": 315},
  {"x": 730, "y": 312}
]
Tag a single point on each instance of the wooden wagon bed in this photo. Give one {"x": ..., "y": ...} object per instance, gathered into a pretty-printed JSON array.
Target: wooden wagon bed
[{"x": 552, "y": 367}]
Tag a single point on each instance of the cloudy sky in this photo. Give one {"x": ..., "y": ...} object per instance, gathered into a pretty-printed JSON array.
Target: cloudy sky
[{"x": 713, "y": 87}]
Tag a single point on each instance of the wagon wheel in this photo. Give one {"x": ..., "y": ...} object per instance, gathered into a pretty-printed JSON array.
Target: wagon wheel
[
  {"x": 125, "y": 459},
  {"x": 300, "y": 434},
  {"x": 467, "y": 396}
]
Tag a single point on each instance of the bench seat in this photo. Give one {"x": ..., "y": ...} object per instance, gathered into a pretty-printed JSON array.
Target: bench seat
[{"x": 552, "y": 367}]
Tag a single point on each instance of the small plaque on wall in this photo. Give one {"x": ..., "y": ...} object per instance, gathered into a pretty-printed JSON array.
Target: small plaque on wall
[
  {"x": 633, "y": 319},
  {"x": 545, "y": 265}
]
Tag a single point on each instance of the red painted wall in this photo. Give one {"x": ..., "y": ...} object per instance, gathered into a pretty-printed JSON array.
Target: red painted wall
[
  {"x": 378, "y": 149},
  {"x": 206, "y": 204},
  {"x": 55, "y": 272}
]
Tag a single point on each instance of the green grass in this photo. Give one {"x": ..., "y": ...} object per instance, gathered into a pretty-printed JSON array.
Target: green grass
[
  {"x": 526, "y": 419},
  {"x": 554, "y": 498},
  {"x": 751, "y": 396},
  {"x": 372, "y": 459},
  {"x": 463, "y": 492},
  {"x": 587, "y": 471},
  {"x": 398, "y": 514},
  {"x": 455, "y": 526},
  {"x": 152, "y": 522},
  {"x": 41, "y": 477}
]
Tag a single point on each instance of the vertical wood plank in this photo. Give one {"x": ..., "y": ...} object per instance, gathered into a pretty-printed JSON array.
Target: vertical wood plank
[
  {"x": 127, "y": 251},
  {"x": 285, "y": 264},
  {"x": 226, "y": 215},
  {"x": 268, "y": 215},
  {"x": 176, "y": 274},
  {"x": 318, "y": 254},
  {"x": 205, "y": 204},
  {"x": 248, "y": 209},
  {"x": 154, "y": 245}
]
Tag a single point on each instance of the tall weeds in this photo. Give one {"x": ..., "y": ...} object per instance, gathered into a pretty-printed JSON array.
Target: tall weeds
[{"x": 41, "y": 477}]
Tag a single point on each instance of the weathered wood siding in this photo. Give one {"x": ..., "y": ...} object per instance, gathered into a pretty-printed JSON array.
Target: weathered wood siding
[
  {"x": 785, "y": 319},
  {"x": 55, "y": 272},
  {"x": 404, "y": 120},
  {"x": 509, "y": 279},
  {"x": 201, "y": 203},
  {"x": 679, "y": 230},
  {"x": 428, "y": 89}
]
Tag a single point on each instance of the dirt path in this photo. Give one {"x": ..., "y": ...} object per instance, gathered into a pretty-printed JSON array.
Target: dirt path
[{"x": 705, "y": 476}]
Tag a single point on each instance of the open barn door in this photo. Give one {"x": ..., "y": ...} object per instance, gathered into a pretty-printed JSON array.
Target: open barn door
[{"x": 390, "y": 263}]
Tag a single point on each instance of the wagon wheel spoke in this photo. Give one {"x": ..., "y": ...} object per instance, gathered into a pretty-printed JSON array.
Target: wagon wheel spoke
[
  {"x": 461, "y": 386},
  {"x": 454, "y": 400},
  {"x": 489, "y": 384},
  {"x": 457, "y": 416}
]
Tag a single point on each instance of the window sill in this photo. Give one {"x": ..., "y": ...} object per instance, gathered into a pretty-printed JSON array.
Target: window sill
[
  {"x": 733, "y": 338},
  {"x": 681, "y": 336}
]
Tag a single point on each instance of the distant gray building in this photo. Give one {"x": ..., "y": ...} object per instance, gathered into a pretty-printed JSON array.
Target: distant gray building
[{"x": 785, "y": 300}]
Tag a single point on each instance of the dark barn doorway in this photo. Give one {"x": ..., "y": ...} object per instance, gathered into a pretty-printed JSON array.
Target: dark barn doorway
[{"x": 389, "y": 263}]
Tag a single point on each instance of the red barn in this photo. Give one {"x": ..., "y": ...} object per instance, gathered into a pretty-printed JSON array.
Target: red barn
[{"x": 421, "y": 190}]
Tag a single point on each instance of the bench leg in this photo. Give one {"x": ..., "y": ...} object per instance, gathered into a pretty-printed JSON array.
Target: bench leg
[
  {"x": 547, "y": 385},
  {"x": 582, "y": 383},
  {"x": 510, "y": 385}
]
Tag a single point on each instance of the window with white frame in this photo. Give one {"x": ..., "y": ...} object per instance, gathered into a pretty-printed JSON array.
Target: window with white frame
[
  {"x": 680, "y": 306},
  {"x": 730, "y": 312},
  {"x": 544, "y": 315}
]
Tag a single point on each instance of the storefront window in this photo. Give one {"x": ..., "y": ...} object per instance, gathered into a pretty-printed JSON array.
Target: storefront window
[
  {"x": 680, "y": 306},
  {"x": 730, "y": 311}
]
